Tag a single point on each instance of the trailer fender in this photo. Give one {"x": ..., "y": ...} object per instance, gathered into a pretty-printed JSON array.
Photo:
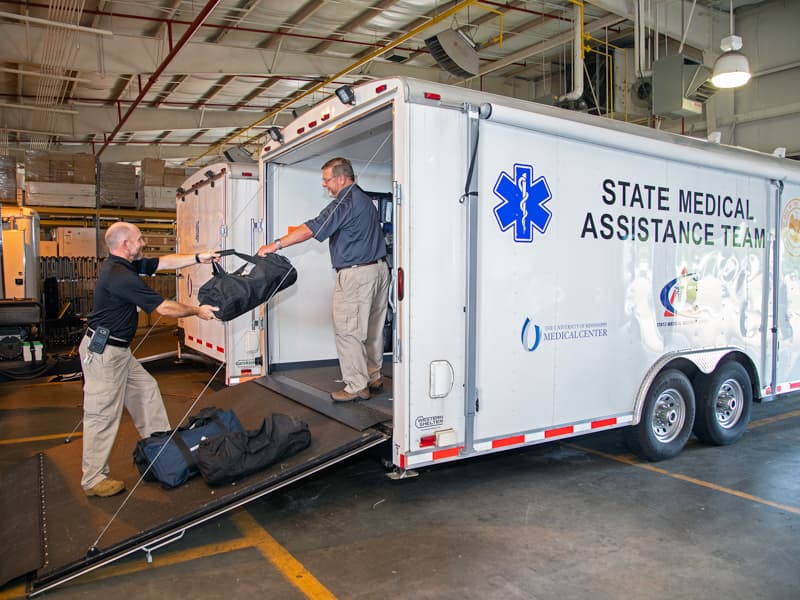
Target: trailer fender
[{"x": 691, "y": 363}]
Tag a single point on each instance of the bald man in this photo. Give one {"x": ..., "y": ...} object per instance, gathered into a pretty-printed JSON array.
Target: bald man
[{"x": 113, "y": 378}]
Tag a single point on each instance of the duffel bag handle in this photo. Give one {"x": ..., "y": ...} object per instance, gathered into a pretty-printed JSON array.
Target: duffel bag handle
[{"x": 217, "y": 268}]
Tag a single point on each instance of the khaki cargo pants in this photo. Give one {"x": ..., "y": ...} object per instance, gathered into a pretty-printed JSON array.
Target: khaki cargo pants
[
  {"x": 113, "y": 380},
  {"x": 360, "y": 300}
]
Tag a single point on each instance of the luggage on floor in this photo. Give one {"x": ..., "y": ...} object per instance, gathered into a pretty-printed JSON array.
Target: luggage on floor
[
  {"x": 237, "y": 292},
  {"x": 173, "y": 463},
  {"x": 231, "y": 456}
]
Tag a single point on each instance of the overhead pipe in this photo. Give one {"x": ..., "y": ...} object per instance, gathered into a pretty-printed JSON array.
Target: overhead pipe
[
  {"x": 577, "y": 55},
  {"x": 187, "y": 35}
]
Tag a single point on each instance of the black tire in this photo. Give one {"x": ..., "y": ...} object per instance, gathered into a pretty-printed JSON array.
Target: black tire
[
  {"x": 667, "y": 417},
  {"x": 724, "y": 402}
]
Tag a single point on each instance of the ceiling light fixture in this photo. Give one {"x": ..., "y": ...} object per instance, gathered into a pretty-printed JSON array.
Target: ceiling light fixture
[{"x": 732, "y": 69}]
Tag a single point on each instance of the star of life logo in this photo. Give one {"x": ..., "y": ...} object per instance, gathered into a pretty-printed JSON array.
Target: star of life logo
[{"x": 522, "y": 205}]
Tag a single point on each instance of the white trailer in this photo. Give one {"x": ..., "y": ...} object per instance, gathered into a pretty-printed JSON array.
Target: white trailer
[
  {"x": 554, "y": 273},
  {"x": 219, "y": 208}
]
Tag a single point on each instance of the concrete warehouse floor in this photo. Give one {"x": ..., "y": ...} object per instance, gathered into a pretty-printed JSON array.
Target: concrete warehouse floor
[{"x": 577, "y": 519}]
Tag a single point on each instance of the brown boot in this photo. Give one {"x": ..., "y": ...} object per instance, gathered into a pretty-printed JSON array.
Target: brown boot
[
  {"x": 107, "y": 487},
  {"x": 376, "y": 385},
  {"x": 345, "y": 396}
]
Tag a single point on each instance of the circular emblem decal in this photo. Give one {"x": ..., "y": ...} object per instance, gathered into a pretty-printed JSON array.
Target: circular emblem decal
[{"x": 790, "y": 227}]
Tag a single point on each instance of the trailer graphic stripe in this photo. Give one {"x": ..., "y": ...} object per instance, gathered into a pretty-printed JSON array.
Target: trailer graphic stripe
[
  {"x": 559, "y": 431},
  {"x": 415, "y": 459},
  {"x": 509, "y": 441}
]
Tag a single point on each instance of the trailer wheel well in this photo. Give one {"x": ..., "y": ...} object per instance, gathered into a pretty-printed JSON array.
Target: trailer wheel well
[{"x": 691, "y": 370}]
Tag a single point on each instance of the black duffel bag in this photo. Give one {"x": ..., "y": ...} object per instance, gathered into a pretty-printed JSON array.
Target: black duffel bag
[
  {"x": 171, "y": 461},
  {"x": 229, "y": 457},
  {"x": 236, "y": 293}
]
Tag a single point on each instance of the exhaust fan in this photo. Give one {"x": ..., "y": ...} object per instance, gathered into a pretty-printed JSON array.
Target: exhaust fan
[{"x": 454, "y": 52}]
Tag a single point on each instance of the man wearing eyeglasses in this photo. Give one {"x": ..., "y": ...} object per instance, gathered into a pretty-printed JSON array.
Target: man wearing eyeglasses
[
  {"x": 358, "y": 254},
  {"x": 113, "y": 378}
]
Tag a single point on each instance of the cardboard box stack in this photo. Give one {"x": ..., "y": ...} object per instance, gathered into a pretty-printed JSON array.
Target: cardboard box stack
[
  {"x": 8, "y": 179},
  {"x": 59, "y": 179},
  {"x": 157, "y": 184},
  {"x": 117, "y": 185}
]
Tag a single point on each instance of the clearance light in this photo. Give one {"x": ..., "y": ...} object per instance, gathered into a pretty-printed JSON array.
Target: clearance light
[
  {"x": 312, "y": 124},
  {"x": 380, "y": 88},
  {"x": 325, "y": 117},
  {"x": 301, "y": 130},
  {"x": 432, "y": 96},
  {"x": 401, "y": 288},
  {"x": 267, "y": 148},
  {"x": 427, "y": 441},
  {"x": 246, "y": 174}
]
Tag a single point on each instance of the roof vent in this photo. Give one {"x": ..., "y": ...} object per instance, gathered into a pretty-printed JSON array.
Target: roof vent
[{"x": 454, "y": 51}]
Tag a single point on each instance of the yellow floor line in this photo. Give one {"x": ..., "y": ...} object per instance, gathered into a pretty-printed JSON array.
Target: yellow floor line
[
  {"x": 706, "y": 484},
  {"x": 775, "y": 419},
  {"x": 287, "y": 564},
  {"x": 39, "y": 438}
]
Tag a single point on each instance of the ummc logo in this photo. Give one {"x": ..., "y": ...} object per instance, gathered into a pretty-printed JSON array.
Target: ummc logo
[{"x": 529, "y": 330}]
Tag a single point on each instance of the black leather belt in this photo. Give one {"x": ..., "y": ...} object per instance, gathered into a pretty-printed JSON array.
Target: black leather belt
[
  {"x": 374, "y": 262},
  {"x": 112, "y": 341}
]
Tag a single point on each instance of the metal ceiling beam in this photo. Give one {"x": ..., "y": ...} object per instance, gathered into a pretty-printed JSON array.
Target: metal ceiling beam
[
  {"x": 123, "y": 55},
  {"x": 187, "y": 35}
]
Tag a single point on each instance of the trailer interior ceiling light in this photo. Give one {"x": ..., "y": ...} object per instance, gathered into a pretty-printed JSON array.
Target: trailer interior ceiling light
[
  {"x": 275, "y": 134},
  {"x": 732, "y": 69},
  {"x": 346, "y": 95}
]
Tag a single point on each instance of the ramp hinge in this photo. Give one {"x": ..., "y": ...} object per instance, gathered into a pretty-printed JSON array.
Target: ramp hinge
[
  {"x": 223, "y": 231},
  {"x": 397, "y": 193}
]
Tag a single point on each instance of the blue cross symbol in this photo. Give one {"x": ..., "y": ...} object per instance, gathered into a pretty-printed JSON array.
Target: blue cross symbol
[{"x": 522, "y": 206}]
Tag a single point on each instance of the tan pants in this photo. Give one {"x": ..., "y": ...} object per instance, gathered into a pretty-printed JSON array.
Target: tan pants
[
  {"x": 360, "y": 300},
  {"x": 113, "y": 380}
]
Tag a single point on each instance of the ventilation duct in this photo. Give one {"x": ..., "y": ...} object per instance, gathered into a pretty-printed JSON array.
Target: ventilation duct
[
  {"x": 681, "y": 86},
  {"x": 454, "y": 52}
]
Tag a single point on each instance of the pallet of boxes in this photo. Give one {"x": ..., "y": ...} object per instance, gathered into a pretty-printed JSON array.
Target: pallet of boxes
[
  {"x": 158, "y": 183},
  {"x": 59, "y": 179},
  {"x": 8, "y": 180}
]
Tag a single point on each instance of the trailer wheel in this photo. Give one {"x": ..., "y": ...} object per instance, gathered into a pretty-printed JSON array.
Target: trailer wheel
[
  {"x": 667, "y": 417},
  {"x": 724, "y": 401}
]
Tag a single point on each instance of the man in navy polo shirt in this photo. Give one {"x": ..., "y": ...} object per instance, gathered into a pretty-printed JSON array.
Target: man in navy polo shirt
[
  {"x": 113, "y": 378},
  {"x": 361, "y": 294}
]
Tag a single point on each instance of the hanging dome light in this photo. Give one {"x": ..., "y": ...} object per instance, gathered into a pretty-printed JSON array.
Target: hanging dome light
[{"x": 732, "y": 69}]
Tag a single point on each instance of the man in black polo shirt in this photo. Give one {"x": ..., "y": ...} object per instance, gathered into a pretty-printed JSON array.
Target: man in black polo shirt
[
  {"x": 361, "y": 294},
  {"x": 113, "y": 378}
]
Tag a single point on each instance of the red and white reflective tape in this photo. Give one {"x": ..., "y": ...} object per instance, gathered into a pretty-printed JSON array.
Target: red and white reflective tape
[
  {"x": 200, "y": 343},
  {"x": 529, "y": 437},
  {"x": 781, "y": 388}
]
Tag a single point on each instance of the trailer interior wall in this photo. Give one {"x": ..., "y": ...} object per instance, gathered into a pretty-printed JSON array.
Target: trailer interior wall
[{"x": 300, "y": 327}]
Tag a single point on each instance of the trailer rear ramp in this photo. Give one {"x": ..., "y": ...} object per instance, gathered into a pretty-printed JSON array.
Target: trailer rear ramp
[{"x": 62, "y": 543}]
